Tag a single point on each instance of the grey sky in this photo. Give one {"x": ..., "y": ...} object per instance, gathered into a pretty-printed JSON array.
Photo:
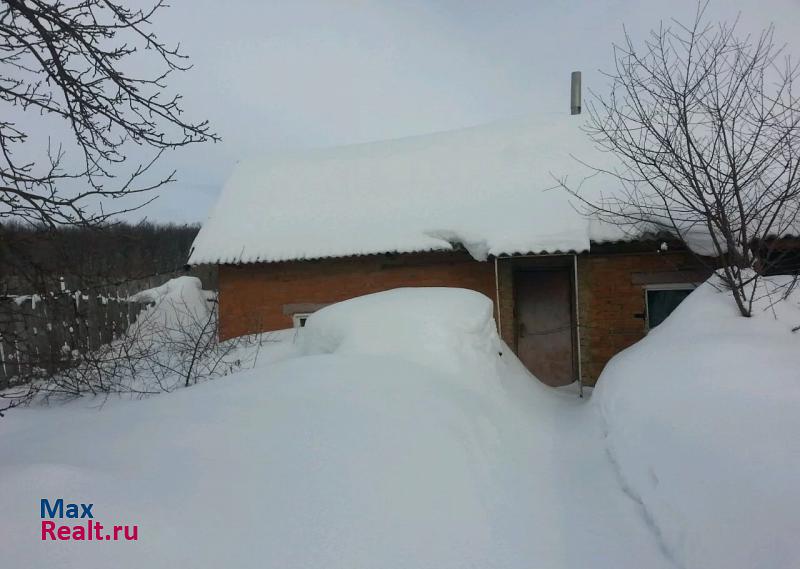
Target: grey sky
[{"x": 292, "y": 74}]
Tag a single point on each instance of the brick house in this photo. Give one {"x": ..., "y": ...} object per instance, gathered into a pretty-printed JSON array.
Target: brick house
[{"x": 475, "y": 208}]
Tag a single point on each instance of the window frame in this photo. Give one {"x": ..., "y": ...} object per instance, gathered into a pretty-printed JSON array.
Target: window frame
[
  {"x": 661, "y": 287},
  {"x": 299, "y": 319}
]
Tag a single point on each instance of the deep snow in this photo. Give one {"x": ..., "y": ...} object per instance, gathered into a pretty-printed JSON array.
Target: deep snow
[
  {"x": 400, "y": 432},
  {"x": 703, "y": 417}
]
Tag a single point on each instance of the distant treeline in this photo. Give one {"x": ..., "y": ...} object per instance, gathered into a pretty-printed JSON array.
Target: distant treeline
[{"x": 33, "y": 259}]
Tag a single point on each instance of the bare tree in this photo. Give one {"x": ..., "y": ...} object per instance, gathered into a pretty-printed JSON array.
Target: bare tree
[
  {"x": 72, "y": 61},
  {"x": 706, "y": 126}
]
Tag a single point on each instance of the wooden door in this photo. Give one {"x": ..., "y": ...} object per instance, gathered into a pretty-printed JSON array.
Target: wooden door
[{"x": 544, "y": 319}]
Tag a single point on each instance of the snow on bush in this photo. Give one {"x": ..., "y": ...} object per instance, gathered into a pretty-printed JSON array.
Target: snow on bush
[
  {"x": 180, "y": 302},
  {"x": 703, "y": 417},
  {"x": 173, "y": 343},
  {"x": 447, "y": 329}
]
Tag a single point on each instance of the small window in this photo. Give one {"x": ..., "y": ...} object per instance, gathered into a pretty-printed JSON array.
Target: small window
[
  {"x": 782, "y": 262},
  {"x": 299, "y": 319},
  {"x": 662, "y": 300}
]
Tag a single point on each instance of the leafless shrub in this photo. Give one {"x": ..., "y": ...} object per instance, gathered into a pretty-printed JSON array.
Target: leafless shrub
[
  {"x": 16, "y": 396},
  {"x": 165, "y": 349}
]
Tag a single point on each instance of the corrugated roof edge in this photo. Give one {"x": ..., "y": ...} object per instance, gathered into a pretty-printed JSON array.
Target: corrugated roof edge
[
  {"x": 257, "y": 260},
  {"x": 393, "y": 252},
  {"x": 641, "y": 239}
]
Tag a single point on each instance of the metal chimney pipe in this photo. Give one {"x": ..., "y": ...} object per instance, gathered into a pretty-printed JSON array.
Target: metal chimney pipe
[{"x": 575, "y": 94}]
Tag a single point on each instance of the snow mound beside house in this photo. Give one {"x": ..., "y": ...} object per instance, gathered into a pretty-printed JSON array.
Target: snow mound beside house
[
  {"x": 702, "y": 418},
  {"x": 451, "y": 330}
]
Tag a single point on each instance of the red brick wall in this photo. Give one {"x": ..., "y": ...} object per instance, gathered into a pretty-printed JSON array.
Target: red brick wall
[
  {"x": 611, "y": 296},
  {"x": 252, "y": 297}
]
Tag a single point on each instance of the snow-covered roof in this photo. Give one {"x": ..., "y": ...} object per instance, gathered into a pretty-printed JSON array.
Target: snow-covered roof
[{"x": 491, "y": 189}]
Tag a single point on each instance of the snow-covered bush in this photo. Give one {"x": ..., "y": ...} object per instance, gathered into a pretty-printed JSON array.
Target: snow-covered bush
[
  {"x": 702, "y": 421},
  {"x": 173, "y": 343}
]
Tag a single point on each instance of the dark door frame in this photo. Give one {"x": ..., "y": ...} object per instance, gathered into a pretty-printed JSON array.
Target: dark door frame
[{"x": 566, "y": 263}]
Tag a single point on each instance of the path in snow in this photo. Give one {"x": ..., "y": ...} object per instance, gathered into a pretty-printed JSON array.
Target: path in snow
[{"x": 326, "y": 461}]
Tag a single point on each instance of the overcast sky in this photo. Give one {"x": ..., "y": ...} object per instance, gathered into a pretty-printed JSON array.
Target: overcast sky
[{"x": 283, "y": 74}]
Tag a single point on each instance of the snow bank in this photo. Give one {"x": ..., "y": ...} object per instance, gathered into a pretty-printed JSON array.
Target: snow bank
[
  {"x": 448, "y": 329},
  {"x": 703, "y": 423}
]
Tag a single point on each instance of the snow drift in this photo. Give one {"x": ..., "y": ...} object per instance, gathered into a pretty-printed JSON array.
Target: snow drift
[
  {"x": 703, "y": 422},
  {"x": 446, "y": 329}
]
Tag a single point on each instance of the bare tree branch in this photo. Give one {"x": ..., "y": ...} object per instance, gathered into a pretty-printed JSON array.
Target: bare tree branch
[
  {"x": 706, "y": 126},
  {"x": 69, "y": 61}
]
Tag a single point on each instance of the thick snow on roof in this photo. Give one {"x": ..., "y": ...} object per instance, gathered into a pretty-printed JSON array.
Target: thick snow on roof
[{"x": 489, "y": 188}]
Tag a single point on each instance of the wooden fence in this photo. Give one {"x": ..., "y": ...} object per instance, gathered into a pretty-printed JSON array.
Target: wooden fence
[{"x": 42, "y": 333}]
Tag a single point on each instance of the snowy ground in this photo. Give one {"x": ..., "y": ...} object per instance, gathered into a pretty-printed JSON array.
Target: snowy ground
[
  {"x": 703, "y": 417},
  {"x": 410, "y": 444}
]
